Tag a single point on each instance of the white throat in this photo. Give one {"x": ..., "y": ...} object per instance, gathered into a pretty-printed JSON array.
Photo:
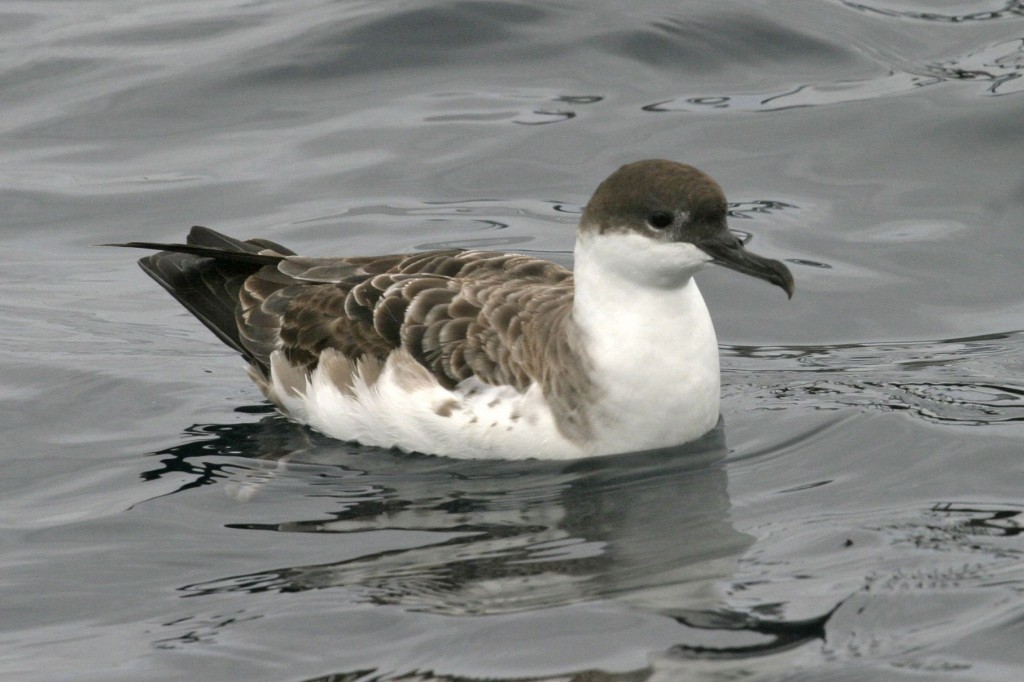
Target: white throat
[{"x": 649, "y": 339}]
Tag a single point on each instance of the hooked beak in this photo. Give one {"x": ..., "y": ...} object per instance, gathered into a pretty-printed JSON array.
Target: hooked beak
[{"x": 727, "y": 250}]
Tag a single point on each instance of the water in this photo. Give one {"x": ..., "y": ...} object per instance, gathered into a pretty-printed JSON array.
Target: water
[{"x": 857, "y": 517}]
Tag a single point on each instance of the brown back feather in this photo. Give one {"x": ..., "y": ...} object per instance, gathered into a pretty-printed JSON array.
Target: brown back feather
[{"x": 503, "y": 318}]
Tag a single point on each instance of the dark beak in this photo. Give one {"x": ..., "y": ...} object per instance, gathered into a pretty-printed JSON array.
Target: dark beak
[{"x": 727, "y": 250}]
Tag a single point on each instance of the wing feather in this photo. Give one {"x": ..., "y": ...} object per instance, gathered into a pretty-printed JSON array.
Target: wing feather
[{"x": 458, "y": 313}]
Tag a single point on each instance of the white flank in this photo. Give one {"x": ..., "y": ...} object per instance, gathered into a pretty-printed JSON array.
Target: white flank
[{"x": 406, "y": 408}]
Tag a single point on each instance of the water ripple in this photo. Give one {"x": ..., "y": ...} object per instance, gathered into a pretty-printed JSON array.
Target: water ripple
[
  {"x": 798, "y": 96},
  {"x": 960, "y": 381},
  {"x": 999, "y": 10},
  {"x": 999, "y": 66}
]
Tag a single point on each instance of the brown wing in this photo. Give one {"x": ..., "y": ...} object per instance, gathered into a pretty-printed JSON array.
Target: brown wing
[
  {"x": 502, "y": 318},
  {"x": 458, "y": 313}
]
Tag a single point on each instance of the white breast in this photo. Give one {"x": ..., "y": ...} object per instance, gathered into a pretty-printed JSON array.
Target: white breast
[{"x": 650, "y": 341}]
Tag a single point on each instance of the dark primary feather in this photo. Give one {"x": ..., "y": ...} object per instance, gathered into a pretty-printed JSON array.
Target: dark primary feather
[
  {"x": 205, "y": 275},
  {"x": 458, "y": 313}
]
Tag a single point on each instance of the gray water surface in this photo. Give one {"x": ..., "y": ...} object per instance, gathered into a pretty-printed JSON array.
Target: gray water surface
[{"x": 858, "y": 514}]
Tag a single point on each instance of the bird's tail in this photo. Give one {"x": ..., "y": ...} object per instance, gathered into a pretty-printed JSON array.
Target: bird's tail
[{"x": 206, "y": 274}]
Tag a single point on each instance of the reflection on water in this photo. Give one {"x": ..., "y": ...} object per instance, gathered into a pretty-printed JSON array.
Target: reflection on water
[{"x": 648, "y": 530}]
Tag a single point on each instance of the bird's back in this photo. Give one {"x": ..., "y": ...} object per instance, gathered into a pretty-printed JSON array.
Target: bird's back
[{"x": 460, "y": 314}]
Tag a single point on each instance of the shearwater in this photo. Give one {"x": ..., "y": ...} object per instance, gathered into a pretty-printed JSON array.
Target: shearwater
[{"x": 484, "y": 354}]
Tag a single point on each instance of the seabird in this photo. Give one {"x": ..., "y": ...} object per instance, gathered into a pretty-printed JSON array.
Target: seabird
[{"x": 485, "y": 354}]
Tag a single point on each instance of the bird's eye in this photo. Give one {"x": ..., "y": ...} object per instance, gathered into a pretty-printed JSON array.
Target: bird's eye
[{"x": 659, "y": 220}]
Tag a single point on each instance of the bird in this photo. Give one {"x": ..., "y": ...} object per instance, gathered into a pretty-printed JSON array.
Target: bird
[{"x": 483, "y": 354}]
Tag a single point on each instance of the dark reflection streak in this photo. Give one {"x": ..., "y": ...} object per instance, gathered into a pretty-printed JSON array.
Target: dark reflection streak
[
  {"x": 789, "y": 107},
  {"x": 364, "y": 674},
  {"x": 555, "y": 117},
  {"x": 784, "y": 635},
  {"x": 299, "y": 579},
  {"x": 488, "y": 224},
  {"x": 747, "y": 209},
  {"x": 794, "y": 91},
  {"x": 579, "y": 99},
  {"x": 273, "y": 435},
  {"x": 657, "y": 106},
  {"x": 178, "y": 462},
  {"x": 993, "y": 521},
  {"x": 715, "y": 102},
  {"x": 450, "y": 202},
  {"x": 808, "y": 435},
  {"x": 1010, "y": 9},
  {"x": 589, "y": 675},
  {"x": 953, "y": 384},
  {"x": 207, "y": 474}
]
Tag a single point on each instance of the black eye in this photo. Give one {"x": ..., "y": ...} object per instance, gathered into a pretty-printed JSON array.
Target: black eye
[{"x": 659, "y": 220}]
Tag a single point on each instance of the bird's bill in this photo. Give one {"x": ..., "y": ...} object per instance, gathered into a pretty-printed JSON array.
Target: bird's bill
[{"x": 728, "y": 251}]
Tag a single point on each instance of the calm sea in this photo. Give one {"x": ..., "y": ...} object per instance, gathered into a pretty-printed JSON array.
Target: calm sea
[{"x": 857, "y": 517}]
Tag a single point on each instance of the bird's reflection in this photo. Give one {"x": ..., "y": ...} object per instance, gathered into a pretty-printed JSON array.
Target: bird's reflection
[{"x": 648, "y": 530}]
